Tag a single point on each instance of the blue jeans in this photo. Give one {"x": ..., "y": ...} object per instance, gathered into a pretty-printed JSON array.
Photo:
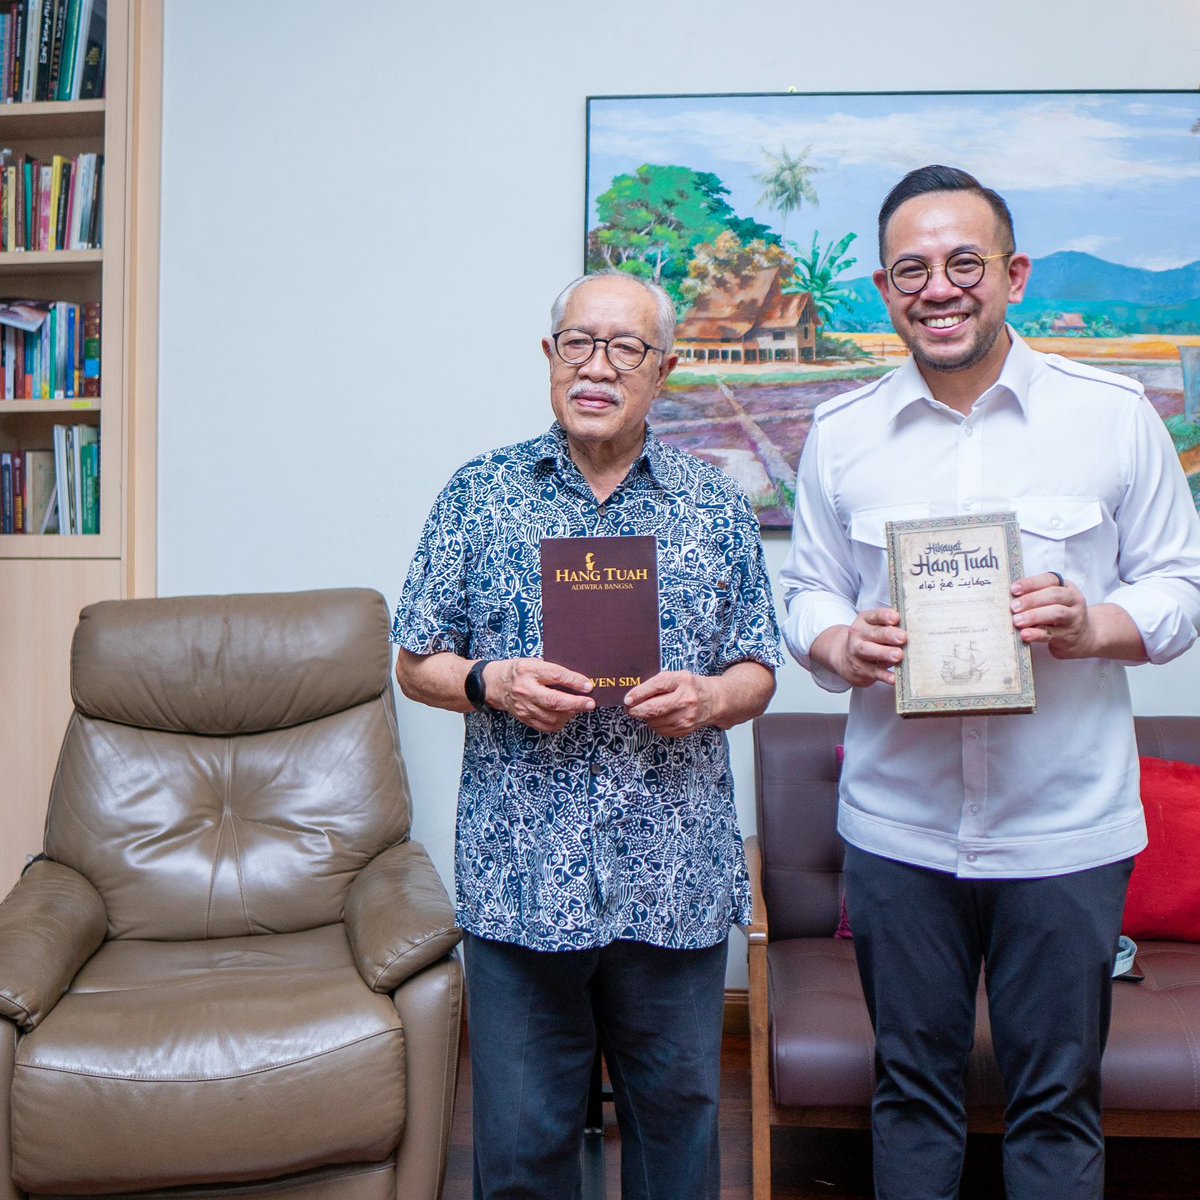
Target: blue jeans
[
  {"x": 1049, "y": 944},
  {"x": 533, "y": 1021}
]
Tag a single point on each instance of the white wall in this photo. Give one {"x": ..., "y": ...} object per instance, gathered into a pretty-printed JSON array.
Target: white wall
[{"x": 349, "y": 187}]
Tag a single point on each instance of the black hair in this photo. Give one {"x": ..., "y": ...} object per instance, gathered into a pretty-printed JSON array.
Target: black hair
[{"x": 937, "y": 178}]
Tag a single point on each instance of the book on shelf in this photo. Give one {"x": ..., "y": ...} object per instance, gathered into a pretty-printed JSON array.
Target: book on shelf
[
  {"x": 62, "y": 482},
  {"x": 41, "y": 509},
  {"x": 65, "y": 75},
  {"x": 49, "y": 349},
  {"x": 91, "y": 83},
  {"x": 79, "y": 437},
  {"x": 12, "y": 492},
  {"x": 91, "y": 348},
  {"x": 51, "y": 206},
  {"x": 45, "y": 38},
  {"x": 18, "y": 492},
  {"x": 7, "y": 507},
  {"x": 79, "y": 21},
  {"x": 87, "y": 445},
  {"x": 33, "y": 23},
  {"x": 52, "y": 49}
]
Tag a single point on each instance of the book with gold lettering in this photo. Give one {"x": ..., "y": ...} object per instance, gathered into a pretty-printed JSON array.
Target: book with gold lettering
[
  {"x": 950, "y": 580},
  {"x": 600, "y": 611}
]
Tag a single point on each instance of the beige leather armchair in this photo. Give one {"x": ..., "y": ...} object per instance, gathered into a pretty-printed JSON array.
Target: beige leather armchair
[{"x": 234, "y": 972}]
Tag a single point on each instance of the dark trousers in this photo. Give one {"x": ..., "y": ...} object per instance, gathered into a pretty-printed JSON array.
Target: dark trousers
[
  {"x": 1049, "y": 945},
  {"x": 533, "y": 1021}
]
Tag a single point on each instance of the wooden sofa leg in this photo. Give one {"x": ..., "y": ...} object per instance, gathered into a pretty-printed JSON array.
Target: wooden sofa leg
[{"x": 760, "y": 1075}]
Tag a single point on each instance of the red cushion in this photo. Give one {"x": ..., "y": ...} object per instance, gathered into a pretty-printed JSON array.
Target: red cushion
[{"x": 1164, "y": 893}]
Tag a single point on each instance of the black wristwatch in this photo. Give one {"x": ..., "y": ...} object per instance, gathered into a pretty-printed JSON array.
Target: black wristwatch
[{"x": 474, "y": 687}]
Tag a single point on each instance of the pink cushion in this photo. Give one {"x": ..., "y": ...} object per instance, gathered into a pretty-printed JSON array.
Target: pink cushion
[{"x": 1164, "y": 893}]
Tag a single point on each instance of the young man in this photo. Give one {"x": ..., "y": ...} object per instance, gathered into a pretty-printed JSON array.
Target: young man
[
  {"x": 598, "y": 862},
  {"x": 1004, "y": 841}
]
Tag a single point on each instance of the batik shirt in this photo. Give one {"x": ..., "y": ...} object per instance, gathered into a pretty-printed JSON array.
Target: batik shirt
[{"x": 605, "y": 829}]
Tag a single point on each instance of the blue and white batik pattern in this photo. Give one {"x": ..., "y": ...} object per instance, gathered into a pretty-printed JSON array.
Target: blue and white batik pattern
[{"x": 604, "y": 830}]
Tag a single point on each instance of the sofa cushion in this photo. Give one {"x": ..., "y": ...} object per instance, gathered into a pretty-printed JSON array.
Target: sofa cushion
[
  {"x": 1164, "y": 892},
  {"x": 822, "y": 1048},
  {"x": 205, "y": 1062},
  {"x": 1152, "y": 1060}
]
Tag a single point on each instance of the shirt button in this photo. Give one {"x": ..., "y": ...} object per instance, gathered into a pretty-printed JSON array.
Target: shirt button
[
  {"x": 972, "y": 857},
  {"x": 973, "y": 734},
  {"x": 601, "y": 509},
  {"x": 595, "y": 768},
  {"x": 1056, "y": 522},
  {"x": 968, "y": 430},
  {"x": 968, "y": 504},
  {"x": 973, "y": 810}
]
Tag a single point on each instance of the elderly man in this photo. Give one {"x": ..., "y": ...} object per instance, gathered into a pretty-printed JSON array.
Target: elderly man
[
  {"x": 1001, "y": 840},
  {"x": 598, "y": 863}
]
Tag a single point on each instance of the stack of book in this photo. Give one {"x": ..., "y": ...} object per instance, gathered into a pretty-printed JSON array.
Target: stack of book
[
  {"x": 49, "y": 350},
  {"x": 52, "y": 49},
  {"x": 55, "y": 205},
  {"x": 53, "y": 491}
]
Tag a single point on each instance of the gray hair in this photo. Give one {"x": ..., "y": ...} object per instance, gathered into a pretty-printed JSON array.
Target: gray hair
[{"x": 665, "y": 324}]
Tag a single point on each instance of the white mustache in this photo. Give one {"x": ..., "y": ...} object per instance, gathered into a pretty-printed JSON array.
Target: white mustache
[{"x": 608, "y": 390}]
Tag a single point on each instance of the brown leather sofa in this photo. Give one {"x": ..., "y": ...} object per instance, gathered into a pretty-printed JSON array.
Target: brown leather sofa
[
  {"x": 233, "y": 974},
  {"x": 811, "y": 1043}
]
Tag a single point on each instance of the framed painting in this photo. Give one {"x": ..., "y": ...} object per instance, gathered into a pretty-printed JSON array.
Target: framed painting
[{"x": 758, "y": 214}]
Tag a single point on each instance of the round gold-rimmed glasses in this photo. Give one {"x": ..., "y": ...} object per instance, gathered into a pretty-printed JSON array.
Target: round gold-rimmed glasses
[{"x": 965, "y": 269}]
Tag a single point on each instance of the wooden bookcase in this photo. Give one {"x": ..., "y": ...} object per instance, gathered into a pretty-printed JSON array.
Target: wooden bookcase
[{"x": 46, "y": 579}]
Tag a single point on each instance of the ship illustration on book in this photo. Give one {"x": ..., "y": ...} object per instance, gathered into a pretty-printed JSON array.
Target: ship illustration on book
[{"x": 960, "y": 667}]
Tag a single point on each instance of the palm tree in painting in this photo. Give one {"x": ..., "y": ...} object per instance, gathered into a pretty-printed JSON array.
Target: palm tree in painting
[{"x": 787, "y": 184}]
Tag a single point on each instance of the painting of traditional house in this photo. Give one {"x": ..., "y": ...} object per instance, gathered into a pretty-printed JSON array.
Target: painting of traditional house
[
  {"x": 757, "y": 215},
  {"x": 748, "y": 319}
]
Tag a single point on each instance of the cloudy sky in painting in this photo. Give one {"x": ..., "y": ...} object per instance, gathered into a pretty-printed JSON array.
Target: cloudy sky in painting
[{"x": 1113, "y": 174}]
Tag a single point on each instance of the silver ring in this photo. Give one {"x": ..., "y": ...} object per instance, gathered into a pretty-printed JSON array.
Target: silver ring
[{"x": 1061, "y": 581}]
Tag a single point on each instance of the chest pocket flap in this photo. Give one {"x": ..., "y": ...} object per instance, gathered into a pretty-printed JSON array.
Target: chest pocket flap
[
  {"x": 869, "y": 525},
  {"x": 1057, "y": 517}
]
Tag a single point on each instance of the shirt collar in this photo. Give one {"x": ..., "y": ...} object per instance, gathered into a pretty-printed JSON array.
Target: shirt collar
[
  {"x": 552, "y": 451},
  {"x": 909, "y": 386}
]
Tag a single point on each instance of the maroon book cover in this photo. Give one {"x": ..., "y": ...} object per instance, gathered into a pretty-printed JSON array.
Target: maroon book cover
[{"x": 600, "y": 611}]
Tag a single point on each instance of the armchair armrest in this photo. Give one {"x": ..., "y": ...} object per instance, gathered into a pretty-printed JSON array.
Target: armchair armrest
[
  {"x": 756, "y": 931},
  {"x": 51, "y": 923},
  {"x": 398, "y": 917}
]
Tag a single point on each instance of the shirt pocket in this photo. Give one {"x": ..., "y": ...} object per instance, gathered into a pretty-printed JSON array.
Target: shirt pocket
[
  {"x": 868, "y": 545},
  {"x": 1058, "y": 533}
]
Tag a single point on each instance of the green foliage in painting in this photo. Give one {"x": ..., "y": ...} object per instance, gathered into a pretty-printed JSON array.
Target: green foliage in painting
[
  {"x": 817, "y": 272},
  {"x": 651, "y": 220},
  {"x": 1184, "y": 433}
]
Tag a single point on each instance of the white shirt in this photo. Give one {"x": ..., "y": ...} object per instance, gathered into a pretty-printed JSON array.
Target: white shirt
[{"x": 1083, "y": 459}]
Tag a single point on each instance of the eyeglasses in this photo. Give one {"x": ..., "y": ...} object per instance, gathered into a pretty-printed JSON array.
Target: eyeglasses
[
  {"x": 964, "y": 269},
  {"x": 625, "y": 352}
]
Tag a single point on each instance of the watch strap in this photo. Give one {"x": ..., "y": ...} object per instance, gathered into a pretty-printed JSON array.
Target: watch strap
[{"x": 475, "y": 687}]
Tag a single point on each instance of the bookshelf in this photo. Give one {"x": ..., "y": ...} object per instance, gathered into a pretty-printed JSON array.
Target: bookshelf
[{"x": 46, "y": 578}]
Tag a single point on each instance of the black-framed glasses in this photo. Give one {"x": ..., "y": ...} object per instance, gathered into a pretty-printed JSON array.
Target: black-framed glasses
[
  {"x": 625, "y": 351},
  {"x": 964, "y": 269}
]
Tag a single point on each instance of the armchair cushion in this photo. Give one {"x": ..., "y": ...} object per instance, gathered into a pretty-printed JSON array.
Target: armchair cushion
[
  {"x": 398, "y": 917},
  {"x": 51, "y": 923},
  {"x": 206, "y": 1062},
  {"x": 213, "y": 665}
]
